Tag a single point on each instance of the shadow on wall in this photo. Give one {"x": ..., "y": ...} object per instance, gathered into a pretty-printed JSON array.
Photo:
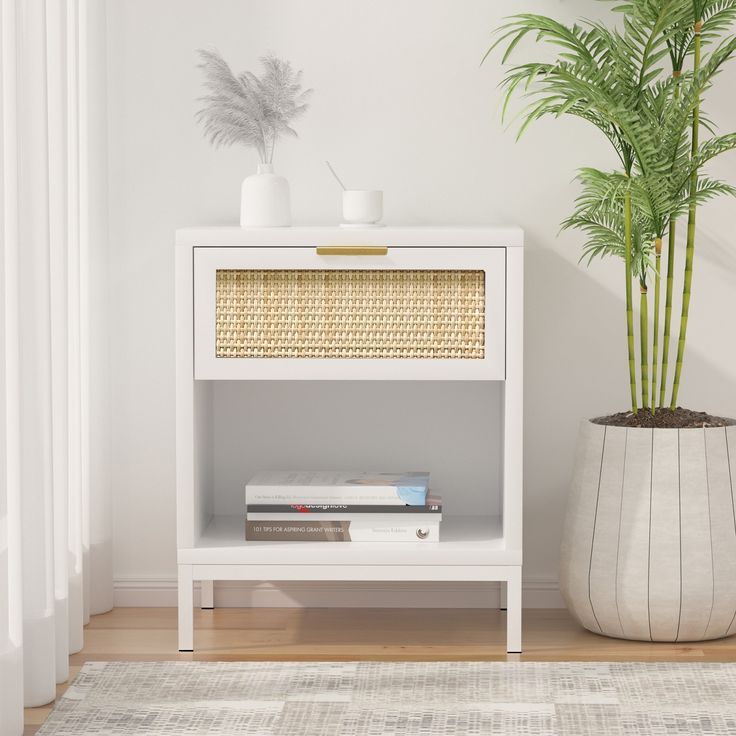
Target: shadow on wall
[
  {"x": 718, "y": 251},
  {"x": 571, "y": 372}
]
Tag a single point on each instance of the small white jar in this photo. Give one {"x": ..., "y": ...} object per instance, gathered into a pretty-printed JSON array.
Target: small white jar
[{"x": 362, "y": 206}]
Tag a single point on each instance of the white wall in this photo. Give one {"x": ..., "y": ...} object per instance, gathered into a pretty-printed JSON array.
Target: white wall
[{"x": 400, "y": 104}]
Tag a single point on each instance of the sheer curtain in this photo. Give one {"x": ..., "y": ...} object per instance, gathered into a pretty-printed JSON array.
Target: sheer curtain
[{"x": 55, "y": 527}]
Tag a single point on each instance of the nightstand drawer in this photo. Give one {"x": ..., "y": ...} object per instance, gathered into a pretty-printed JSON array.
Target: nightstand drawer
[{"x": 352, "y": 313}]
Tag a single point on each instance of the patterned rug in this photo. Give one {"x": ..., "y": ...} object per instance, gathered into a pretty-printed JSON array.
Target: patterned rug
[{"x": 397, "y": 699}]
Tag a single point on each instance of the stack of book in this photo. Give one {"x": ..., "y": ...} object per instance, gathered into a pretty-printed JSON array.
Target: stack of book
[{"x": 341, "y": 506}]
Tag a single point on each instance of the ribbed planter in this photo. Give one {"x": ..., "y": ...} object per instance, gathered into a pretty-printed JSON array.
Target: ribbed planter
[{"x": 649, "y": 545}]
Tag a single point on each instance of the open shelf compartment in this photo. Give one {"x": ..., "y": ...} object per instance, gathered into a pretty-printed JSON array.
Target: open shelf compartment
[{"x": 464, "y": 540}]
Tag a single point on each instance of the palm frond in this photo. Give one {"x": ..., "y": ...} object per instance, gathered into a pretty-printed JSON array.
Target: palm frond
[
  {"x": 718, "y": 18},
  {"x": 651, "y": 26},
  {"x": 599, "y": 214},
  {"x": 709, "y": 189},
  {"x": 712, "y": 148},
  {"x": 615, "y": 80}
]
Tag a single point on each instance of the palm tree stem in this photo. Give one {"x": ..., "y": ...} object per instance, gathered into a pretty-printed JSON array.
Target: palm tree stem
[
  {"x": 691, "y": 221},
  {"x": 672, "y": 239},
  {"x": 668, "y": 309},
  {"x": 655, "y": 346},
  {"x": 629, "y": 300},
  {"x": 644, "y": 338}
]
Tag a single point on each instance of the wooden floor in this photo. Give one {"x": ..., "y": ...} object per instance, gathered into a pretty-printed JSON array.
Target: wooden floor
[{"x": 360, "y": 634}]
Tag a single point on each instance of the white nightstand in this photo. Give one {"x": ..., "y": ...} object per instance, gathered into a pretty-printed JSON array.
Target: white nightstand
[{"x": 323, "y": 304}]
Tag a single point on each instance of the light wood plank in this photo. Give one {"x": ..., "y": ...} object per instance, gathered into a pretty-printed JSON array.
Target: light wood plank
[{"x": 384, "y": 633}]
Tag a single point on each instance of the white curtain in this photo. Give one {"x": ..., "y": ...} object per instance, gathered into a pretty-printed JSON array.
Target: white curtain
[{"x": 55, "y": 527}]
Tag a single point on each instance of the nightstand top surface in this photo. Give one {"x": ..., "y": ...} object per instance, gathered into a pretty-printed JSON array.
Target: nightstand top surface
[{"x": 414, "y": 236}]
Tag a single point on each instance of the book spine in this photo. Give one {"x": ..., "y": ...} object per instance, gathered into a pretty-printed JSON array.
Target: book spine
[
  {"x": 341, "y": 510},
  {"x": 403, "y": 518},
  {"x": 384, "y": 495},
  {"x": 338, "y": 531}
]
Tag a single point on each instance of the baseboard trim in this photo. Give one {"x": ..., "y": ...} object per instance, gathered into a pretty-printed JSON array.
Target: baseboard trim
[{"x": 161, "y": 592}]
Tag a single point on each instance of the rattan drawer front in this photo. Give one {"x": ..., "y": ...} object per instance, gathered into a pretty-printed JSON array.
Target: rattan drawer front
[{"x": 350, "y": 314}]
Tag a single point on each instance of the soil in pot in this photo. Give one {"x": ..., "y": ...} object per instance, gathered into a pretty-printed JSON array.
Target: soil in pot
[{"x": 664, "y": 419}]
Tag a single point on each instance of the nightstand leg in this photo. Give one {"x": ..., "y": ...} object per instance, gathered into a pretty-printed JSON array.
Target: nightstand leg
[
  {"x": 207, "y": 594},
  {"x": 186, "y": 609},
  {"x": 513, "y": 611}
]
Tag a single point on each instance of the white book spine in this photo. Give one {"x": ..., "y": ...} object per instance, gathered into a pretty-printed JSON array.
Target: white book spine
[
  {"x": 322, "y": 495},
  {"x": 336, "y": 531}
]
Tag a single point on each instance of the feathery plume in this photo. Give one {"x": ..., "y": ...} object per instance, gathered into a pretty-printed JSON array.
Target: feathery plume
[{"x": 247, "y": 109}]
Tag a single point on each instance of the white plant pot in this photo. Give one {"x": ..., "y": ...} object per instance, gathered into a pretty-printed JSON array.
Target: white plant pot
[
  {"x": 265, "y": 200},
  {"x": 649, "y": 545}
]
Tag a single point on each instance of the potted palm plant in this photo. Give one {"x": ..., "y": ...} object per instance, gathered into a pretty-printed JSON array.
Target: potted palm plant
[{"x": 649, "y": 545}]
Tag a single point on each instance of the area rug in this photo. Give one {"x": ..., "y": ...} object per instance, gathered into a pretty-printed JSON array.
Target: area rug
[{"x": 397, "y": 699}]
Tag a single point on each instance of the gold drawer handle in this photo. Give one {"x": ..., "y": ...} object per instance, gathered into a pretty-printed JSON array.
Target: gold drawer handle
[{"x": 350, "y": 250}]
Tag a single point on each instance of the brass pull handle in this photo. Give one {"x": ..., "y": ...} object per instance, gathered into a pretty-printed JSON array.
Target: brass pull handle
[{"x": 352, "y": 250}]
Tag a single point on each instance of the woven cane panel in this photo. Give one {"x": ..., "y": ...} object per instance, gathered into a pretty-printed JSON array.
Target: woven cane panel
[{"x": 350, "y": 314}]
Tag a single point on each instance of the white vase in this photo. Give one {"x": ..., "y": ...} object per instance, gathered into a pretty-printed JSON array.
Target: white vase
[
  {"x": 265, "y": 200},
  {"x": 649, "y": 546}
]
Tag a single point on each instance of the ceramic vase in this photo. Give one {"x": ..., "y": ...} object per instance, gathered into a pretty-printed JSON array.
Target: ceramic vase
[{"x": 265, "y": 200}]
